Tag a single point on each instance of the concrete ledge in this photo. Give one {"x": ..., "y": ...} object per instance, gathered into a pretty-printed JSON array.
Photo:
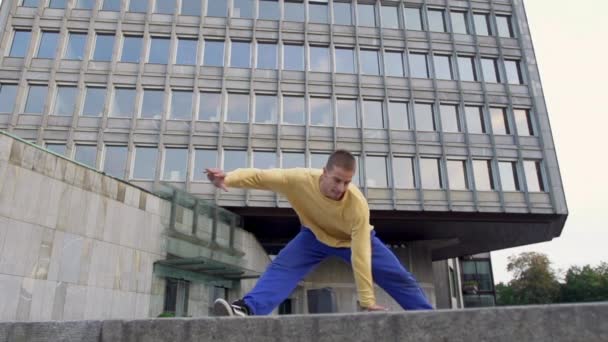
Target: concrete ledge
[{"x": 555, "y": 323}]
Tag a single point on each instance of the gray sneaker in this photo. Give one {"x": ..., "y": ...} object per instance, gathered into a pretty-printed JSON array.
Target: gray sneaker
[{"x": 238, "y": 308}]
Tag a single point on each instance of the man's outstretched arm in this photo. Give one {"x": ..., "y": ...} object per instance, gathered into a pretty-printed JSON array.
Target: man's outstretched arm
[{"x": 270, "y": 179}]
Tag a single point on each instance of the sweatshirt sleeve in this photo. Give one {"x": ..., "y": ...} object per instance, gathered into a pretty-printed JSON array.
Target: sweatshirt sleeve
[
  {"x": 269, "y": 179},
  {"x": 361, "y": 259}
]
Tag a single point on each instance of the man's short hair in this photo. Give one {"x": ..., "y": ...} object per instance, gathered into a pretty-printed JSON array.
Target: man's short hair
[{"x": 343, "y": 159}]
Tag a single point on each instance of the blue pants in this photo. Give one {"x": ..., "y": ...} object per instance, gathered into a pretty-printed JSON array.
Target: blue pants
[{"x": 304, "y": 252}]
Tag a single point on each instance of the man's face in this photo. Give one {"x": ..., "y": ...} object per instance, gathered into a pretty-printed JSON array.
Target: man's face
[{"x": 335, "y": 181}]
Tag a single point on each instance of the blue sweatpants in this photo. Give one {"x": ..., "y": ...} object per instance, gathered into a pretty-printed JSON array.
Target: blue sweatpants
[{"x": 304, "y": 252}]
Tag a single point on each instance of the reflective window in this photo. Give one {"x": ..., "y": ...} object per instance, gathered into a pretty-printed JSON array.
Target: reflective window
[
  {"x": 375, "y": 172},
  {"x": 475, "y": 121},
  {"x": 217, "y": 8},
  {"x": 513, "y": 72},
  {"x": 159, "y": 50},
  {"x": 419, "y": 67},
  {"x": 393, "y": 63},
  {"x": 115, "y": 161},
  {"x": 534, "y": 179},
  {"x": 153, "y": 104},
  {"x": 238, "y": 108},
  {"x": 240, "y": 56},
  {"x": 57, "y": 3},
  {"x": 65, "y": 100},
  {"x": 457, "y": 174},
  {"x": 123, "y": 103},
  {"x": 36, "y": 97},
  {"x": 267, "y": 56},
  {"x": 242, "y": 8},
  {"x": 498, "y": 117},
  {"x": 482, "y": 24},
  {"x": 86, "y": 154},
  {"x": 343, "y": 13},
  {"x": 192, "y": 7},
  {"x": 347, "y": 113},
  {"x": 138, "y": 6},
  {"x": 235, "y": 160},
  {"x": 30, "y": 3},
  {"x": 490, "y": 70},
  {"x": 425, "y": 121},
  {"x": 293, "y": 11},
  {"x": 317, "y": 12},
  {"x": 466, "y": 68},
  {"x": 449, "y": 118},
  {"x": 320, "y": 111},
  {"x": 483, "y": 175},
  {"x": 176, "y": 162},
  {"x": 214, "y": 53},
  {"x": 413, "y": 18},
  {"x": 503, "y": 24},
  {"x": 75, "y": 48},
  {"x": 429, "y": 173},
  {"x": 145, "y": 162},
  {"x": 131, "y": 49},
  {"x": 390, "y": 17},
  {"x": 508, "y": 176},
  {"x": 181, "y": 105},
  {"x": 345, "y": 60},
  {"x": 318, "y": 160},
  {"x": 104, "y": 46},
  {"x": 443, "y": 67},
  {"x": 403, "y": 173},
  {"x": 94, "y": 101},
  {"x": 21, "y": 42},
  {"x": 366, "y": 15},
  {"x": 293, "y": 57},
  {"x": 459, "y": 22},
  {"x": 203, "y": 159},
  {"x": 370, "y": 64},
  {"x": 48, "y": 45},
  {"x": 397, "y": 112},
  {"x": 523, "y": 122},
  {"x": 436, "y": 20},
  {"x": 57, "y": 148},
  {"x": 164, "y": 6},
  {"x": 293, "y": 110},
  {"x": 210, "y": 106},
  {"x": 269, "y": 9},
  {"x": 111, "y": 5},
  {"x": 319, "y": 59},
  {"x": 186, "y": 51},
  {"x": 265, "y": 160},
  {"x": 293, "y": 160},
  {"x": 8, "y": 94},
  {"x": 373, "y": 114},
  {"x": 266, "y": 109}
]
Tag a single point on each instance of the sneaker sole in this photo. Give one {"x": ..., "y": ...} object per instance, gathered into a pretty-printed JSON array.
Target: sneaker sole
[{"x": 222, "y": 308}]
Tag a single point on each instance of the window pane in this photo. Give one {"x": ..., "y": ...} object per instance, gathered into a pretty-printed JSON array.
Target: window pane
[
  {"x": 466, "y": 67},
  {"x": 503, "y": 24},
  {"x": 159, "y": 50},
  {"x": 238, "y": 108},
  {"x": 397, "y": 112},
  {"x": 393, "y": 63},
  {"x": 8, "y": 93},
  {"x": 523, "y": 122},
  {"x": 482, "y": 25},
  {"x": 267, "y": 56},
  {"x": 65, "y": 101},
  {"x": 115, "y": 162},
  {"x": 320, "y": 112},
  {"x": 192, "y": 7},
  {"x": 294, "y": 11},
  {"x": 429, "y": 173},
  {"x": 181, "y": 105},
  {"x": 375, "y": 171},
  {"x": 176, "y": 162},
  {"x": 490, "y": 70},
  {"x": 234, "y": 160},
  {"x": 319, "y": 59},
  {"x": 318, "y": 13},
  {"x": 104, "y": 46},
  {"x": 112, "y": 5},
  {"x": 152, "y": 106},
  {"x": 57, "y": 3},
  {"x": 293, "y": 110},
  {"x": 138, "y": 6},
  {"x": 367, "y": 15},
  {"x": 403, "y": 173},
  {"x": 31, "y": 3},
  {"x": 94, "y": 101},
  {"x": 123, "y": 102},
  {"x": 474, "y": 117},
  {"x": 342, "y": 13},
  {"x": 418, "y": 65},
  {"x": 373, "y": 114},
  {"x": 186, "y": 51},
  {"x": 269, "y": 9},
  {"x": 293, "y": 57},
  {"x": 210, "y": 106},
  {"x": 390, "y": 19},
  {"x": 443, "y": 67},
  {"x": 264, "y": 160},
  {"x": 21, "y": 42},
  {"x": 36, "y": 97},
  {"x": 293, "y": 159},
  {"x": 145, "y": 162},
  {"x": 347, "y": 113},
  {"x": 86, "y": 154},
  {"x": 240, "y": 54},
  {"x": 449, "y": 118},
  {"x": 508, "y": 176},
  {"x": 266, "y": 109},
  {"x": 164, "y": 6},
  {"x": 424, "y": 117},
  {"x": 203, "y": 159},
  {"x": 57, "y": 148},
  {"x": 217, "y": 8},
  {"x": 457, "y": 174},
  {"x": 534, "y": 178},
  {"x": 318, "y": 160},
  {"x": 513, "y": 72},
  {"x": 48, "y": 45},
  {"x": 131, "y": 49},
  {"x": 413, "y": 19},
  {"x": 75, "y": 49},
  {"x": 345, "y": 60},
  {"x": 369, "y": 62},
  {"x": 214, "y": 53},
  {"x": 459, "y": 22},
  {"x": 436, "y": 20},
  {"x": 498, "y": 117},
  {"x": 243, "y": 9}
]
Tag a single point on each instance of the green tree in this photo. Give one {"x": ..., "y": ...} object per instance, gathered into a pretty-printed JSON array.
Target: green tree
[
  {"x": 586, "y": 284},
  {"x": 534, "y": 281}
]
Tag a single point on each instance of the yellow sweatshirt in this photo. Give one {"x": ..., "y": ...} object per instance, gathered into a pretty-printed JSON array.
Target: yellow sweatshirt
[{"x": 343, "y": 223}]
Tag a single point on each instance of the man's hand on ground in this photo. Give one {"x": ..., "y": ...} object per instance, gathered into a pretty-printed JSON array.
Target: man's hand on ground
[
  {"x": 375, "y": 308},
  {"x": 216, "y": 176}
]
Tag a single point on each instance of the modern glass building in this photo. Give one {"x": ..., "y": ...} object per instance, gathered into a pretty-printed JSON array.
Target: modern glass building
[{"x": 440, "y": 100}]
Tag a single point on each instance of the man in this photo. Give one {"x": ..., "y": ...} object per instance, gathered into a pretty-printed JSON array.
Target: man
[{"x": 335, "y": 222}]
